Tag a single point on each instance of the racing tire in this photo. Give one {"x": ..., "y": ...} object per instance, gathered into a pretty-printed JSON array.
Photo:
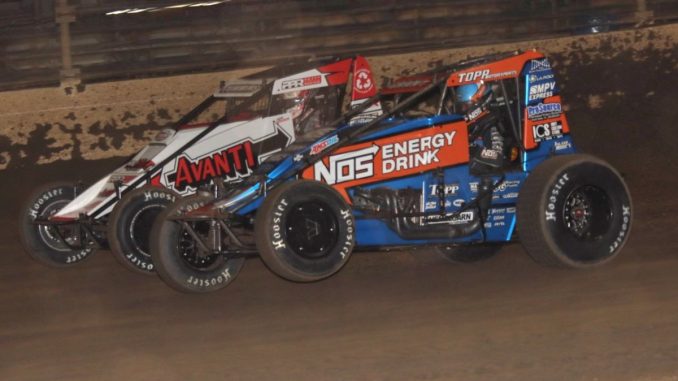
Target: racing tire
[
  {"x": 304, "y": 231},
  {"x": 42, "y": 242},
  {"x": 177, "y": 258},
  {"x": 574, "y": 211},
  {"x": 468, "y": 253},
  {"x": 130, "y": 224}
]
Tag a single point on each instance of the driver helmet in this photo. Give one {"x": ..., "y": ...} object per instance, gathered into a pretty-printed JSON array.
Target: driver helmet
[
  {"x": 467, "y": 95},
  {"x": 295, "y": 102}
]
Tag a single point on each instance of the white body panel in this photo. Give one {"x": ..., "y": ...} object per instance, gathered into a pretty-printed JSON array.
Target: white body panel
[{"x": 166, "y": 144}]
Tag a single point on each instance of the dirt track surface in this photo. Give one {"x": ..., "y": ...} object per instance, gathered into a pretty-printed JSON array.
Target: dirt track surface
[{"x": 386, "y": 316}]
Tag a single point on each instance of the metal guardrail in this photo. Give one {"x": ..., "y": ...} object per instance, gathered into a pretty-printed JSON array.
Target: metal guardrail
[{"x": 52, "y": 42}]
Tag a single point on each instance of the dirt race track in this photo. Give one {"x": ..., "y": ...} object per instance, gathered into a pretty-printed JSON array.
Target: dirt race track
[{"x": 385, "y": 316}]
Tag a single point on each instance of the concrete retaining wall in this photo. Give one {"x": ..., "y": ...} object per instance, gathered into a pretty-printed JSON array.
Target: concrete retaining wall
[{"x": 606, "y": 79}]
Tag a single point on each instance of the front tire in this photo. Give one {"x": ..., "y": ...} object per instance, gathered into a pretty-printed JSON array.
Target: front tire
[
  {"x": 178, "y": 259},
  {"x": 43, "y": 242},
  {"x": 574, "y": 211},
  {"x": 305, "y": 231},
  {"x": 130, "y": 224}
]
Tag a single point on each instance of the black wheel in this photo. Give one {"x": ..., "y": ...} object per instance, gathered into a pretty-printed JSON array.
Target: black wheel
[
  {"x": 574, "y": 211},
  {"x": 468, "y": 253},
  {"x": 305, "y": 231},
  {"x": 179, "y": 259},
  {"x": 130, "y": 223},
  {"x": 44, "y": 243}
]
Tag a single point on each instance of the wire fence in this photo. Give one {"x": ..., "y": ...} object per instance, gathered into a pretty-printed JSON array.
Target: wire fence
[{"x": 100, "y": 40}]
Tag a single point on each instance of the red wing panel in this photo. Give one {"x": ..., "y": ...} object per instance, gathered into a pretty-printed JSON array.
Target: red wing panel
[
  {"x": 337, "y": 73},
  {"x": 392, "y": 157},
  {"x": 363, "y": 82}
]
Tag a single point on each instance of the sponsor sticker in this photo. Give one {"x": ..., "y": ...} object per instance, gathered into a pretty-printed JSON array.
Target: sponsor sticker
[
  {"x": 390, "y": 157},
  {"x": 544, "y": 111},
  {"x": 542, "y": 90},
  {"x": 545, "y": 76},
  {"x": 562, "y": 145},
  {"x": 547, "y": 131},
  {"x": 321, "y": 145},
  {"x": 485, "y": 75},
  {"x": 300, "y": 82},
  {"x": 539, "y": 65},
  {"x": 363, "y": 83}
]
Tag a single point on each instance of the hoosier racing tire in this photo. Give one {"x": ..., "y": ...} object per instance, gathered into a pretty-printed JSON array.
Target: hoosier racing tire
[
  {"x": 179, "y": 261},
  {"x": 574, "y": 211},
  {"x": 43, "y": 242},
  {"x": 305, "y": 231},
  {"x": 130, "y": 224}
]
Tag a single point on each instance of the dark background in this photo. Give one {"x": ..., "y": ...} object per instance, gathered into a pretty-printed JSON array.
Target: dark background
[{"x": 145, "y": 38}]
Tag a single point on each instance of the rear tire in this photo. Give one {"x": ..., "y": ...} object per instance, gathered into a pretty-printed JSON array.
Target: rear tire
[
  {"x": 130, "y": 224},
  {"x": 305, "y": 231},
  {"x": 574, "y": 211},
  {"x": 179, "y": 261},
  {"x": 42, "y": 242}
]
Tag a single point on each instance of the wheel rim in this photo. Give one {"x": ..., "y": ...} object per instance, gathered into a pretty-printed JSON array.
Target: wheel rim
[
  {"x": 140, "y": 227},
  {"x": 49, "y": 233},
  {"x": 191, "y": 254},
  {"x": 311, "y": 229},
  {"x": 587, "y": 213}
]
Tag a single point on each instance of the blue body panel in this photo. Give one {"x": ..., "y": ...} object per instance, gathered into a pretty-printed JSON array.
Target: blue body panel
[{"x": 461, "y": 187}]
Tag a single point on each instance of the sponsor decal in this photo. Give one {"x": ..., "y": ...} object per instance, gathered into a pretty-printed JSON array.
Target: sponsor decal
[
  {"x": 542, "y": 90},
  {"x": 291, "y": 84},
  {"x": 309, "y": 79},
  {"x": 544, "y": 111},
  {"x": 448, "y": 204},
  {"x": 321, "y": 145},
  {"x": 363, "y": 82},
  {"x": 506, "y": 184},
  {"x": 348, "y": 242},
  {"x": 347, "y": 166},
  {"x": 159, "y": 195},
  {"x": 473, "y": 114},
  {"x": 626, "y": 223},
  {"x": 459, "y": 219},
  {"x": 232, "y": 162},
  {"x": 448, "y": 189},
  {"x": 539, "y": 65},
  {"x": 35, "y": 209},
  {"x": 550, "y": 212},
  {"x": 391, "y": 157},
  {"x": 562, "y": 145},
  {"x": 489, "y": 154},
  {"x": 278, "y": 240},
  {"x": 485, "y": 75},
  {"x": 224, "y": 276},
  {"x": 546, "y": 76},
  {"x": 547, "y": 131}
]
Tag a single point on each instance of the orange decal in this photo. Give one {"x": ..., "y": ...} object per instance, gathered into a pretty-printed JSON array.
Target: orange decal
[
  {"x": 544, "y": 121},
  {"x": 392, "y": 157},
  {"x": 502, "y": 69}
]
